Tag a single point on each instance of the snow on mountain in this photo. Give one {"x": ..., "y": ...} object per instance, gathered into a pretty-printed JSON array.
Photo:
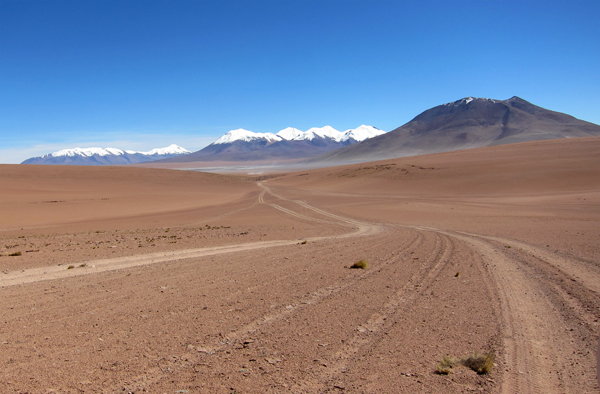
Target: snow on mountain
[
  {"x": 290, "y": 134},
  {"x": 324, "y": 132},
  {"x": 169, "y": 150},
  {"x": 467, "y": 100},
  {"x": 361, "y": 133},
  {"x": 105, "y": 156},
  {"x": 245, "y": 135},
  {"x": 86, "y": 152}
]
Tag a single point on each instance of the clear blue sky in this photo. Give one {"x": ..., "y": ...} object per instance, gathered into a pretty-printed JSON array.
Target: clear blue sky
[{"x": 144, "y": 74}]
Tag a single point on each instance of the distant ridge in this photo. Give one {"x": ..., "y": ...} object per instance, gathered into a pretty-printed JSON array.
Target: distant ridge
[
  {"x": 105, "y": 156},
  {"x": 289, "y": 143},
  {"x": 466, "y": 123}
]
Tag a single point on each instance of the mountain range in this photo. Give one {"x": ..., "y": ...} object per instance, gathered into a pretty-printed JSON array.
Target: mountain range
[
  {"x": 289, "y": 143},
  {"x": 106, "y": 156},
  {"x": 466, "y": 123}
]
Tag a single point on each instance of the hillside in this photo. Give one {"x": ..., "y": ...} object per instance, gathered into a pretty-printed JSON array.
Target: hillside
[{"x": 464, "y": 124}]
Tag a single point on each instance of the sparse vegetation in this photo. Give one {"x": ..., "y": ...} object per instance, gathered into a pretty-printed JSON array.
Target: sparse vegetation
[
  {"x": 362, "y": 264},
  {"x": 303, "y": 242},
  {"x": 15, "y": 254},
  {"x": 70, "y": 267},
  {"x": 446, "y": 364},
  {"x": 480, "y": 363}
]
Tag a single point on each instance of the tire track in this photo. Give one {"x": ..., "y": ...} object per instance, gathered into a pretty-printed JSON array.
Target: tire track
[
  {"x": 310, "y": 300},
  {"x": 577, "y": 270},
  {"x": 369, "y": 332},
  {"x": 96, "y": 266},
  {"x": 408, "y": 246},
  {"x": 297, "y": 215},
  {"x": 536, "y": 345},
  {"x": 363, "y": 227},
  {"x": 266, "y": 322}
]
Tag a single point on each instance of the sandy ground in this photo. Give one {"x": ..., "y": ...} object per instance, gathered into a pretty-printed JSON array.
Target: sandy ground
[{"x": 145, "y": 280}]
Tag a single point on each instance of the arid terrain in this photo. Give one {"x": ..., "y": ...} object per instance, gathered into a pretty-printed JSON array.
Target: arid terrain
[{"x": 121, "y": 279}]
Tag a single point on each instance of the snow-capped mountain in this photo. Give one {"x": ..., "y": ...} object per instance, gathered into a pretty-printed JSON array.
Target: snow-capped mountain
[
  {"x": 247, "y": 136},
  {"x": 289, "y": 143},
  {"x": 106, "y": 156},
  {"x": 361, "y": 133}
]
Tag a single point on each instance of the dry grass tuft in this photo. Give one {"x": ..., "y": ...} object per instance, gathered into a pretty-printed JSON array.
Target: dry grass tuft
[
  {"x": 446, "y": 364},
  {"x": 360, "y": 264},
  {"x": 480, "y": 363}
]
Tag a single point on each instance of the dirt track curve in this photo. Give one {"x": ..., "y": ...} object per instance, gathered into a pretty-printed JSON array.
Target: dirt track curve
[{"x": 96, "y": 266}]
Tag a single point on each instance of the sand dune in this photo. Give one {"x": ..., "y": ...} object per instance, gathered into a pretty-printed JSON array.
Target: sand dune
[{"x": 189, "y": 282}]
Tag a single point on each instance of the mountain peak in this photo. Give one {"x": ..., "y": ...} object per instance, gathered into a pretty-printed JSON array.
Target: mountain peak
[
  {"x": 245, "y": 135},
  {"x": 289, "y": 143},
  {"x": 105, "y": 156},
  {"x": 292, "y": 134},
  {"x": 86, "y": 152},
  {"x": 361, "y": 133},
  {"x": 468, "y": 123},
  {"x": 517, "y": 99},
  {"x": 169, "y": 150},
  {"x": 467, "y": 100}
]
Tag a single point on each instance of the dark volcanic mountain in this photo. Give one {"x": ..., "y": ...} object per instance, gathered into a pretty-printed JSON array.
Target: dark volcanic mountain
[{"x": 463, "y": 124}]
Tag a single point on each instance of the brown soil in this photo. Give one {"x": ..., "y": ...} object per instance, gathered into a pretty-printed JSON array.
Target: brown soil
[{"x": 160, "y": 281}]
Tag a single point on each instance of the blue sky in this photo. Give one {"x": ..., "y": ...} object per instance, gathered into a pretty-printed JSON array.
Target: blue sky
[{"x": 144, "y": 74}]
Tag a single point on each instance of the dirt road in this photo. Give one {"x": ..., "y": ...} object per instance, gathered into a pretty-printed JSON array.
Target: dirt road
[{"x": 288, "y": 316}]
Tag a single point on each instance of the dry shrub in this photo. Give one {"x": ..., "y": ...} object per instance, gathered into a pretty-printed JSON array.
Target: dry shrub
[
  {"x": 481, "y": 363},
  {"x": 446, "y": 364},
  {"x": 360, "y": 264}
]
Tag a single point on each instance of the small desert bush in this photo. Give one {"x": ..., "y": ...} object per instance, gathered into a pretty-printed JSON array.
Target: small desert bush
[
  {"x": 70, "y": 267},
  {"x": 480, "y": 363},
  {"x": 360, "y": 264},
  {"x": 446, "y": 364},
  {"x": 15, "y": 254}
]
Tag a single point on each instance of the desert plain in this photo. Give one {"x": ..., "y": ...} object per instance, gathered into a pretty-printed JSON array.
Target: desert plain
[{"x": 123, "y": 279}]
